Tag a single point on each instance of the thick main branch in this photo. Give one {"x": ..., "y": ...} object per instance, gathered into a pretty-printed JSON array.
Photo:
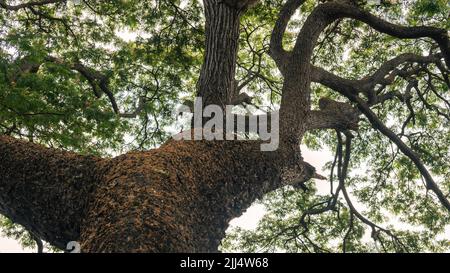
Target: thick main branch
[{"x": 45, "y": 190}]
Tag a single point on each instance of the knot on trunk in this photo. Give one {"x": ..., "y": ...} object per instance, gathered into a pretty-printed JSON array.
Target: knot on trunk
[
  {"x": 345, "y": 116},
  {"x": 298, "y": 174}
]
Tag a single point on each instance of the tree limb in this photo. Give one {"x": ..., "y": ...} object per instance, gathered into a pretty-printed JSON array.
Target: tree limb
[
  {"x": 96, "y": 79},
  {"x": 276, "y": 43},
  {"x": 30, "y": 4},
  {"x": 381, "y": 76},
  {"x": 378, "y": 124},
  {"x": 45, "y": 190},
  {"x": 336, "y": 10},
  {"x": 344, "y": 161},
  {"x": 347, "y": 88},
  {"x": 334, "y": 115}
]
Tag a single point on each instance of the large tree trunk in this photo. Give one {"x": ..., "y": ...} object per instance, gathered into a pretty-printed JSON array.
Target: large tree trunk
[
  {"x": 216, "y": 82},
  {"x": 176, "y": 198},
  {"x": 180, "y": 197}
]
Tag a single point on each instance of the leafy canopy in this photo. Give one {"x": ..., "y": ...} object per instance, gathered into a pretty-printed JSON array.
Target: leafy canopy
[{"x": 102, "y": 77}]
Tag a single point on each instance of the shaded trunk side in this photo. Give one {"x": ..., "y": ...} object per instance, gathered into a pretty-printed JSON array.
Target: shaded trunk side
[{"x": 45, "y": 190}]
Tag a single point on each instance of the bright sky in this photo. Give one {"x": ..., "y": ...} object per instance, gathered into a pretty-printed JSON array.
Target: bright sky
[{"x": 11, "y": 246}]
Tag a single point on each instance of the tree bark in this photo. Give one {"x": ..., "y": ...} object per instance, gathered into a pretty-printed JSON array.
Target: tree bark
[
  {"x": 47, "y": 191},
  {"x": 181, "y": 196},
  {"x": 178, "y": 198},
  {"x": 217, "y": 77},
  {"x": 163, "y": 200}
]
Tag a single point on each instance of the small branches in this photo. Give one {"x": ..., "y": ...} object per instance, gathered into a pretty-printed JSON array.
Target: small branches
[
  {"x": 338, "y": 10},
  {"x": 35, "y": 13},
  {"x": 348, "y": 233},
  {"x": 343, "y": 164},
  {"x": 351, "y": 89},
  {"x": 98, "y": 81},
  {"x": 433, "y": 107},
  {"x": 30, "y": 4},
  {"x": 383, "y": 76},
  {"x": 301, "y": 231},
  {"x": 378, "y": 124}
]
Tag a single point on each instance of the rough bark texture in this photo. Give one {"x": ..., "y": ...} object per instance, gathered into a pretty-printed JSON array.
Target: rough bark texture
[
  {"x": 45, "y": 190},
  {"x": 216, "y": 84},
  {"x": 177, "y": 198},
  {"x": 180, "y": 197},
  {"x": 163, "y": 200}
]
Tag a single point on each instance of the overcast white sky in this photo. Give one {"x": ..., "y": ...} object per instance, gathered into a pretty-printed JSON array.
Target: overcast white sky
[
  {"x": 250, "y": 219},
  {"x": 11, "y": 246}
]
